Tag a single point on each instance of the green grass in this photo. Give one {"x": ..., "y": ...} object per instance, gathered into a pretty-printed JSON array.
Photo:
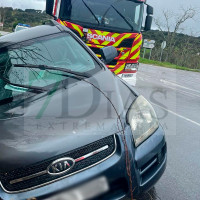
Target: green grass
[{"x": 166, "y": 64}]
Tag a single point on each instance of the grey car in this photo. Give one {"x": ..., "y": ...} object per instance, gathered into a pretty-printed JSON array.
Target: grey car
[{"x": 70, "y": 128}]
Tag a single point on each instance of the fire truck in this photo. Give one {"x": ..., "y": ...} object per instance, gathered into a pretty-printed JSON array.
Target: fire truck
[{"x": 101, "y": 23}]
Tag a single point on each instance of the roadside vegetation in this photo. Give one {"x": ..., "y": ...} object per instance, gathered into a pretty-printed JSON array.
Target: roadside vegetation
[
  {"x": 11, "y": 17},
  {"x": 166, "y": 64},
  {"x": 181, "y": 50}
]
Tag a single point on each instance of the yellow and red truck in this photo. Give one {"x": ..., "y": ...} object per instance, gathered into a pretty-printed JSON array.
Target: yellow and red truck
[{"x": 101, "y": 23}]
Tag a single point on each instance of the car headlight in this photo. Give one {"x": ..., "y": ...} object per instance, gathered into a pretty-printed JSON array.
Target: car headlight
[{"x": 142, "y": 119}]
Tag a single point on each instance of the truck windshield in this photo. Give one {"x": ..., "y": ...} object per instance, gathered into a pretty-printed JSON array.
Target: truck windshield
[{"x": 112, "y": 14}]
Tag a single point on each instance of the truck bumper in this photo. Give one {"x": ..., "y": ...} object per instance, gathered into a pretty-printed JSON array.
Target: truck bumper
[{"x": 130, "y": 78}]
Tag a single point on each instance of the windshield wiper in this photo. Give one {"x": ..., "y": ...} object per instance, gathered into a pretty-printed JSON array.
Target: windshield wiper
[
  {"x": 32, "y": 88},
  {"x": 91, "y": 11},
  {"x": 46, "y": 67},
  {"x": 122, "y": 16}
]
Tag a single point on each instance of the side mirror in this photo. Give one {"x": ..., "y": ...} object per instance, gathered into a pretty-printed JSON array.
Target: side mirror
[
  {"x": 49, "y": 7},
  {"x": 148, "y": 23},
  {"x": 108, "y": 54},
  {"x": 149, "y": 10}
]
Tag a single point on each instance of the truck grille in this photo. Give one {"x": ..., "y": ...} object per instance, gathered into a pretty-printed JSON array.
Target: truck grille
[
  {"x": 97, "y": 50},
  {"x": 106, "y": 145}
]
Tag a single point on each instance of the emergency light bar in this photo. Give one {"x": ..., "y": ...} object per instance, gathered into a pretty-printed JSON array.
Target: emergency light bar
[{"x": 26, "y": 25}]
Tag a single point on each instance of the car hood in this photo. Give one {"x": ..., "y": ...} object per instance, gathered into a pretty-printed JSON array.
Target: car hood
[{"x": 45, "y": 126}]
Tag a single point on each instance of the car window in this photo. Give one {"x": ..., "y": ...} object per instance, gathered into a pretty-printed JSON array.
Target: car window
[{"x": 61, "y": 51}]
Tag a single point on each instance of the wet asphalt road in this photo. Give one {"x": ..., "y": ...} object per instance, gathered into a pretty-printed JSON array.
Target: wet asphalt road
[{"x": 175, "y": 95}]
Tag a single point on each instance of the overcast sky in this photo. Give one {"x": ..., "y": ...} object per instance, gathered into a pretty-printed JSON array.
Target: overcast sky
[
  {"x": 175, "y": 6},
  {"x": 23, "y": 4},
  {"x": 159, "y": 5}
]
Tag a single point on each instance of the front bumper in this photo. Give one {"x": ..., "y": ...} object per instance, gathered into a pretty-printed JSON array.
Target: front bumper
[
  {"x": 147, "y": 166},
  {"x": 151, "y": 160}
]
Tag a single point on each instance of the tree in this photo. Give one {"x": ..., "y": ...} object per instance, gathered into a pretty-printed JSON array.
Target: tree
[
  {"x": 172, "y": 24},
  {"x": 5, "y": 15},
  {"x": 11, "y": 17}
]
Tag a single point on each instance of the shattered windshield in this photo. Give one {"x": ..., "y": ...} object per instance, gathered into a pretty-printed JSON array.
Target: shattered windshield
[
  {"x": 116, "y": 14},
  {"x": 59, "y": 51}
]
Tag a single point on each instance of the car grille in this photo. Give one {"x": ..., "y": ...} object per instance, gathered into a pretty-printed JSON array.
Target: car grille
[{"x": 34, "y": 182}]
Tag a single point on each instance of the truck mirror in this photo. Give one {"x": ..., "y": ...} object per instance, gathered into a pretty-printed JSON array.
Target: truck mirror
[
  {"x": 108, "y": 54},
  {"x": 49, "y": 7},
  {"x": 149, "y": 10},
  {"x": 148, "y": 23}
]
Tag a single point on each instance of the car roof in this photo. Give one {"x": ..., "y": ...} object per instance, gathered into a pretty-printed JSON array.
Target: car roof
[{"x": 29, "y": 34}]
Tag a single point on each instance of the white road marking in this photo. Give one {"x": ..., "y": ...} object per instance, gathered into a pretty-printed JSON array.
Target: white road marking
[
  {"x": 174, "y": 84},
  {"x": 185, "y": 118},
  {"x": 167, "y": 84},
  {"x": 184, "y": 92}
]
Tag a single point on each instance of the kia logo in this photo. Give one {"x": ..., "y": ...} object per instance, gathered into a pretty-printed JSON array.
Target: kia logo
[{"x": 61, "y": 166}]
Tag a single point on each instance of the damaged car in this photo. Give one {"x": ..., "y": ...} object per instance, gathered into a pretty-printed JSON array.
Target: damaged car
[{"x": 70, "y": 128}]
